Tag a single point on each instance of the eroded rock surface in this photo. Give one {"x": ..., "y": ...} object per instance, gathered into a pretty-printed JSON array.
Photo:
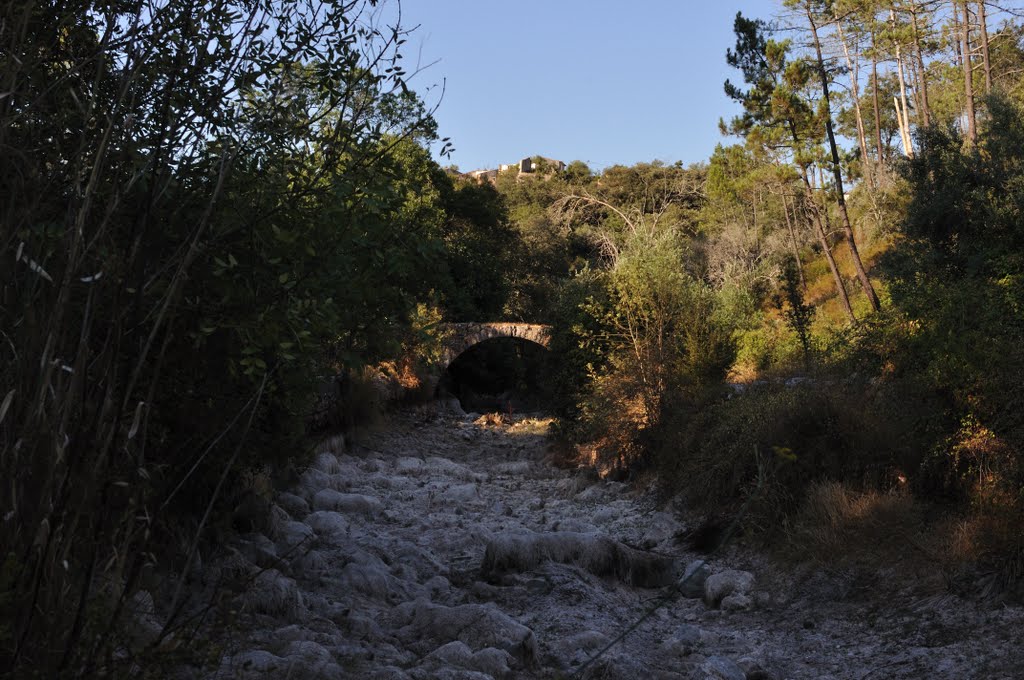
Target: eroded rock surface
[{"x": 448, "y": 548}]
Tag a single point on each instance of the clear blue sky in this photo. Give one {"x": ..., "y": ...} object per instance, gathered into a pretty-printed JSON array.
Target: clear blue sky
[{"x": 602, "y": 81}]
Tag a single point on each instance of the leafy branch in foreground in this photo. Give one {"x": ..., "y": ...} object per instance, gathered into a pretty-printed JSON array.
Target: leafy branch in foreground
[{"x": 200, "y": 198}]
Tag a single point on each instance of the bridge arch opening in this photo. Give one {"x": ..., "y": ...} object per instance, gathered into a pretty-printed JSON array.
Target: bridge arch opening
[{"x": 500, "y": 374}]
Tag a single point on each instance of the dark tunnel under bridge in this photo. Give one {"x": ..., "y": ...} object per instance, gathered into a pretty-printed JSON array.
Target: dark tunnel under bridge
[{"x": 500, "y": 366}]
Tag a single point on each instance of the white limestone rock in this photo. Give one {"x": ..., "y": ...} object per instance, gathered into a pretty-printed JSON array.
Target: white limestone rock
[
  {"x": 525, "y": 550},
  {"x": 517, "y": 468},
  {"x": 349, "y": 503},
  {"x": 659, "y": 528},
  {"x": 460, "y": 493},
  {"x": 310, "y": 482},
  {"x": 389, "y": 673},
  {"x": 291, "y": 533},
  {"x": 311, "y": 563},
  {"x": 307, "y": 659},
  {"x": 448, "y": 468},
  {"x": 373, "y": 581},
  {"x": 260, "y": 550},
  {"x": 726, "y": 583},
  {"x": 256, "y": 663},
  {"x": 694, "y": 577},
  {"x": 457, "y": 655},
  {"x": 274, "y": 593},
  {"x": 492, "y": 661},
  {"x": 574, "y": 524},
  {"x": 437, "y": 587},
  {"x": 736, "y": 602},
  {"x": 359, "y": 626},
  {"x": 407, "y": 465},
  {"x": 326, "y": 462},
  {"x": 294, "y": 505},
  {"x": 683, "y": 641},
  {"x": 721, "y": 668},
  {"x": 753, "y": 669},
  {"x": 454, "y": 653},
  {"x": 293, "y": 633},
  {"x": 427, "y": 625},
  {"x": 594, "y": 493},
  {"x": 448, "y": 674},
  {"x": 329, "y": 524}
]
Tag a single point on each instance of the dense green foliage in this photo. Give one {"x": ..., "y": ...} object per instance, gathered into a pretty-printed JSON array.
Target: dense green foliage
[
  {"x": 917, "y": 398},
  {"x": 956, "y": 330},
  {"x": 195, "y": 240}
]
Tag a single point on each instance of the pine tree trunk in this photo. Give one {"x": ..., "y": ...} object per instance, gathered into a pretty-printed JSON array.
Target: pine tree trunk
[
  {"x": 814, "y": 219},
  {"x": 983, "y": 27},
  {"x": 914, "y": 82},
  {"x": 855, "y": 89},
  {"x": 923, "y": 77},
  {"x": 844, "y": 215},
  {"x": 874, "y": 96},
  {"x": 958, "y": 52},
  {"x": 793, "y": 241},
  {"x": 965, "y": 36},
  {"x": 903, "y": 119}
]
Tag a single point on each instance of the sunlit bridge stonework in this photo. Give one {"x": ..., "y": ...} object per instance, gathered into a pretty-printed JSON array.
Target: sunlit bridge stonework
[{"x": 458, "y": 337}]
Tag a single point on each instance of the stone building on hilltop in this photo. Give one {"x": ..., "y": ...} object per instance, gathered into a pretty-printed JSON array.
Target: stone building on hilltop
[{"x": 531, "y": 165}]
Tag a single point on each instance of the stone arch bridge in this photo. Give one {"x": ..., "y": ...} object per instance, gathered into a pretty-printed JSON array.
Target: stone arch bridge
[{"x": 458, "y": 337}]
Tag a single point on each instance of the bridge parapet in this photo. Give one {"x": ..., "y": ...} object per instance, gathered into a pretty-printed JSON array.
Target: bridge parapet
[{"x": 462, "y": 336}]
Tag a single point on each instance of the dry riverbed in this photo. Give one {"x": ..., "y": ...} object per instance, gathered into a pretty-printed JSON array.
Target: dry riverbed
[{"x": 449, "y": 547}]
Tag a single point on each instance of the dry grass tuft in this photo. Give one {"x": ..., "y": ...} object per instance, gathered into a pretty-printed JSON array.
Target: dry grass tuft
[
  {"x": 490, "y": 420},
  {"x": 529, "y": 425},
  {"x": 994, "y": 541},
  {"x": 836, "y": 523},
  {"x": 978, "y": 554}
]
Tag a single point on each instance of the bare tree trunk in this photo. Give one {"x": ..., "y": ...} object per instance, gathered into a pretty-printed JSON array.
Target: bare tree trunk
[
  {"x": 983, "y": 27},
  {"x": 844, "y": 215},
  {"x": 901, "y": 122},
  {"x": 923, "y": 74},
  {"x": 902, "y": 115},
  {"x": 958, "y": 52},
  {"x": 813, "y": 215},
  {"x": 823, "y": 192},
  {"x": 793, "y": 242},
  {"x": 874, "y": 96},
  {"x": 915, "y": 88},
  {"x": 854, "y": 67},
  {"x": 965, "y": 37}
]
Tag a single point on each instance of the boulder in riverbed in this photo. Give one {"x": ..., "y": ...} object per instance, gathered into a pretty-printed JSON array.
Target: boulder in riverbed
[
  {"x": 596, "y": 553},
  {"x": 725, "y": 583},
  {"x": 426, "y": 626},
  {"x": 349, "y": 503}
]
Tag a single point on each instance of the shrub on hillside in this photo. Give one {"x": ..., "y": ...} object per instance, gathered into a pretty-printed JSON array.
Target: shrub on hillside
[
  {"x": 782, "y": 439},
  {"x": 652, "y": 331}
]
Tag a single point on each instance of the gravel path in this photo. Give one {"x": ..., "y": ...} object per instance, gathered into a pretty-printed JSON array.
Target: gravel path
[{"x": 375, "y": 568}]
